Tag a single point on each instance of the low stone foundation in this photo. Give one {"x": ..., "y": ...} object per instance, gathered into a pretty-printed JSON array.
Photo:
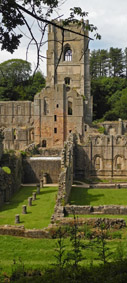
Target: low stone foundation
[
  {"x": 20, "y": 231},
  {"x": 102, "y": 209},
  {"x": 117, "y": 223},
  {"x": 50, "y": 231}
]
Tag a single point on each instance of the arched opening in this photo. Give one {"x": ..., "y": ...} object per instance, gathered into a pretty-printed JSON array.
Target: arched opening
[
  {"x": 98, "y": 163},
  {"x": 119, "y": 163},
  {"x": 67, "y": 53},
  {"x": 44, "y": 143}
]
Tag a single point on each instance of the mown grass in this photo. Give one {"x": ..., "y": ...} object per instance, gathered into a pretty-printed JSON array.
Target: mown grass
[
  {"x": 83, "y": 196},
  {"x": 40, "y": 253},
  {"x": 107, "y": 181},
  {"x": 38, "y": 215}
]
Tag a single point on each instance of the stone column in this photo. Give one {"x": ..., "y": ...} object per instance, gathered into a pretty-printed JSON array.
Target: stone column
[
  {"x": 30, "y": 201},
  {"x": 38, "y": 189},
  {"x": 24, "y": 211},
  {"x": 34, "y": 195},
  {"x": 17, "y": 219},
  {"x": 41, "y": 183},
  {"x": 44, "y": 178}
]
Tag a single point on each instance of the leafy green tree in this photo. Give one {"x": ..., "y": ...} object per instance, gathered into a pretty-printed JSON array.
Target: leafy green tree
[
  {"x": 16, "y": 81},
  {"x": 14, "y": 72},
  {"x": 106, "y": 92}
]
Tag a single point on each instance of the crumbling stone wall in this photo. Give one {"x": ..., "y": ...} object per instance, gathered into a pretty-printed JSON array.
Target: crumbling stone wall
[
  {"x": 50, "y": 231},
  {"x": 101, "y": 156},
  {"x": 65, "y": 177},
  {"x": 16, "y": 120},
  {"x": 10, "y": 183}
]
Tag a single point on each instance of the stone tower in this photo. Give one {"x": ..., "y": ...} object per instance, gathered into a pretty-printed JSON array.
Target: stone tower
[
  {"x": 65, "y": 104},
  {"x": 71, "y": 66}
]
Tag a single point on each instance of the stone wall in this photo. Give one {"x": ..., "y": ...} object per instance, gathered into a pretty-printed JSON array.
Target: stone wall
[
  {"x": 10, "y": 183},
  {"x": 34, "y": 167},
  {"x": 65, "y": 177},
  {"x": 16, "y": 113},
  {"x": 101, "y": 156},
  {"x": 50, "y": 232},
  {"x": 102, "y": 209},
  {"x": 16, "y": 120}
]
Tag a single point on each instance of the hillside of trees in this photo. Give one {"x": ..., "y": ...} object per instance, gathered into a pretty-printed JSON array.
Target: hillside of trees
[{"x": 109, "y": 83}]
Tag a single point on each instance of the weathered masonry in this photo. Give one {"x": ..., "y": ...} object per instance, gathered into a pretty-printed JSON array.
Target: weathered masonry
[{"x": 63, "y": 106}]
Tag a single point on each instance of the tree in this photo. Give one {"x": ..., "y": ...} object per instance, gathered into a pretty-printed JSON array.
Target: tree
[
  {"x": 116, "y": 61},
  {"x": 106, "y": 95},
  {"x": 15, "y": 13},
  {"x": 14, "y": 72},
  {"x": 16, "y": 81}
]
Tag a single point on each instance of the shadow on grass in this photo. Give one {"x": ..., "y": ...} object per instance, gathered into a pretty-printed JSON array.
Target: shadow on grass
[
  {"x": 81, "y": 196},
  {"x": 21, "y": 197},
  {"x": 43, "y": 192}
]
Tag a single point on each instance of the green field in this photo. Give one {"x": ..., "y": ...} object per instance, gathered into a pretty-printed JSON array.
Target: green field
[
  {"x": 83, "y": 196},
  {"x": 38, "y": 215},
  {"x": 39, "y": 253}
]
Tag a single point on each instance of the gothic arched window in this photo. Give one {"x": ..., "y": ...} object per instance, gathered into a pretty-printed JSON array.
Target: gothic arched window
[{"x": 67, "y": 54}]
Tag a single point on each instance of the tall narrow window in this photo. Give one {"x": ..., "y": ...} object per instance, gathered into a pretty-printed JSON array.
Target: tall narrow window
[
  {"x": 70, "y": 105},
  {"x": 98, "y": 163},
  {"x": 55, "y": 118},
  {"x": 46, "y": 106},
  {"x": 67, "y": 53},
  {"x": 44, "y": 143},
  {"x": 55, "y": 130}
]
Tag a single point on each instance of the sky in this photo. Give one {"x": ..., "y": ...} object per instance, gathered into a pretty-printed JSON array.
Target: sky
[{"x": 110, "y": 17}]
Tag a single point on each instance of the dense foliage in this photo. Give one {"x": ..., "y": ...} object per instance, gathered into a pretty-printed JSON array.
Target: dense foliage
[
  {"x": 109, "y": 83},
  {"x": 17, "y": 82},
  {"x": 112, "y": 63}
]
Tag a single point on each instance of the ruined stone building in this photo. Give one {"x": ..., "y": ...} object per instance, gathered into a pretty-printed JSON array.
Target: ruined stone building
[{"x": 63, "y": 106}]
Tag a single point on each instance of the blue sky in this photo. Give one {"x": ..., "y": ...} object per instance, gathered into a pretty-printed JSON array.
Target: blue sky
[{"x": 110, "y": 16}]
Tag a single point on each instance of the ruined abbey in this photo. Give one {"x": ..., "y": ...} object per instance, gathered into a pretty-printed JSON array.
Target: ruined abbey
[{"x": 64, "y": 107}]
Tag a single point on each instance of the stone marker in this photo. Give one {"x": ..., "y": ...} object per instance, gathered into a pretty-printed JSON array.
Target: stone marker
[
  {"x": 30, "y": 201},
  {"x": 44, "y": 178},
  {"x": 17, "y": 219},
  {"x": 24, "y": 211},
  {"x": 41, "y": 183},
  {"x": 38, "y": 189},
  {"x": 34, "y": 195}
]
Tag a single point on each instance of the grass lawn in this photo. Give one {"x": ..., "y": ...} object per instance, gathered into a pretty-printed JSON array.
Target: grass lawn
[
  {"x": 83, "y": 196},
  {"x": 38, "y": 253},
  {"x": 39, "y": 213}
]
